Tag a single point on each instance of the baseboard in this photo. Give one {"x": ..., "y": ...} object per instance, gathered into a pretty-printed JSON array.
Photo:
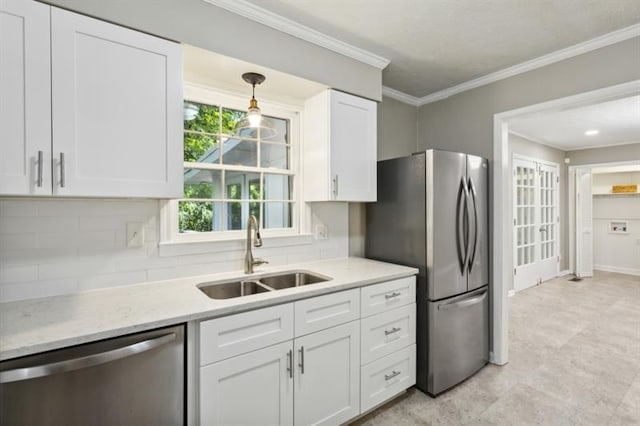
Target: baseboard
[
  {"x": 607, "y": 268},
  {"x": 563, "y": 273},
  {"x": 511, "y": 293}
]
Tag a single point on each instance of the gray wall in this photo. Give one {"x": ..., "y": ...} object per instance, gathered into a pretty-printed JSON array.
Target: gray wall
[
  {"x": 464, "y": 122},
  {"x": 605, "y": 155},
  {"x": 528, "y": 148},
  {"x": 397, "y": 127},
  {"x": 209, "y": 27}
]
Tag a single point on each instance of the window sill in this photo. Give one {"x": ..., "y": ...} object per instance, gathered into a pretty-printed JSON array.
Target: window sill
[{"x": 172, "y": 248}]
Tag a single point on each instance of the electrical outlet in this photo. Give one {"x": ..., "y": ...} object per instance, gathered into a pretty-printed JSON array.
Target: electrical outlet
[
  {"x": 135, "y": 234},
  {"x": 322, "y": 232}
]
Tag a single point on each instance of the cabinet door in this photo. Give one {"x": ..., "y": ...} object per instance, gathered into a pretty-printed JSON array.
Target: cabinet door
[
  {"x": 327, "y": 376},
  {"x": 117, "y": 110},
  {"x": 25, "y": 98},
  {"x": 353, "y": 147},
  {"x": 251, "y": 389}
]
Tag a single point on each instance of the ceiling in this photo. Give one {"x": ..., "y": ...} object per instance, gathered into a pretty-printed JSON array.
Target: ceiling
[
  {"x": 436, "y": 44},
  {"x": 617, "y": 121}
]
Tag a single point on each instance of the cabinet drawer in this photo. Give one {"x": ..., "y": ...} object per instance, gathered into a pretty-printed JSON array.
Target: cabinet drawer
[
  {"x": 327, "y": 311},
  {"x": 225, "y": 337},
  {"x": 387, "y": 377},
  {"x": 389, "y": 295},
  {"x": 387, "y": 332}
]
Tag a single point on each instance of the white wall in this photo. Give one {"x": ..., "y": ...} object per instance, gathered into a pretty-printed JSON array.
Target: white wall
[
  {"x": 51, "y": 247},
  {"x": 611, "y": 251}
]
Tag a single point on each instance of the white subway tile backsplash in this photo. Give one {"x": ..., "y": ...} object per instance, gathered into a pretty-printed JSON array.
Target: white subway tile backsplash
[
  {"x": 30, "y": 290},
  {"x": 95, "y": 281},
  {"x": 18, "y": 241},
  {"x": 36, "y": 256},
  {"x": 80, "y": 266},
  {"x": 65, "y": 246},
  {"x": 18, "y": 273},
  {"x": 19, "y": 208}
]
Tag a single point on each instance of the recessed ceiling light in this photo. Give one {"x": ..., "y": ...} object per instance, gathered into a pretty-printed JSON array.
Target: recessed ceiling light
[{"x": 591, "y": 132}]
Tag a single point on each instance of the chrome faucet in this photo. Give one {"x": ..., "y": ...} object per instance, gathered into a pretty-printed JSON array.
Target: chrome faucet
[{"x": 249, "y": 261}]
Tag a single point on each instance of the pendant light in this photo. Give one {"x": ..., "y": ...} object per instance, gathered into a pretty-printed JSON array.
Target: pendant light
[{"x": 254, "y": 121}]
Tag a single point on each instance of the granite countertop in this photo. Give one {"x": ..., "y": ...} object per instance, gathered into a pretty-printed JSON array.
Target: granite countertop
[{"x": 38, "y": 325}]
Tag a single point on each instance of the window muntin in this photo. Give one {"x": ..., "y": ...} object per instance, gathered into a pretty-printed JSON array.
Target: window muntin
[{"x": 229, "y": 176}]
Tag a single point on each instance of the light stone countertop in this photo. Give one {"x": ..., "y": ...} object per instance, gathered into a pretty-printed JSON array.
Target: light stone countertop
[{"x": 38, "y": 325}]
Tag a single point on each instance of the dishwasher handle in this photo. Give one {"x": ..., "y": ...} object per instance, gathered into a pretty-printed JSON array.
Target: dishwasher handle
[{"x": 27, "y": 373}]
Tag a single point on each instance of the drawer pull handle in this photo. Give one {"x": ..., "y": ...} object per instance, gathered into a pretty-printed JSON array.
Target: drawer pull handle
[
  {"x": 393, "y": 330},
  {"x": 40, "y": 169},
  {"x": 393, "y": 374},
  {"x": 392, "y": 295},
  {"x": 290, "y": 363},
  {"x": 62, "y": 171},
  {"x": 301, "y": 363}
]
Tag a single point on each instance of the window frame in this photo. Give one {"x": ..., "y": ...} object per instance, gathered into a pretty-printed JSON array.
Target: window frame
[{"x": 207, "y": 95}]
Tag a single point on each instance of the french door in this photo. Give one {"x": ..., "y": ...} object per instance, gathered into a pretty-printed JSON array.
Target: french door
[{"x": 535, "y": 222}]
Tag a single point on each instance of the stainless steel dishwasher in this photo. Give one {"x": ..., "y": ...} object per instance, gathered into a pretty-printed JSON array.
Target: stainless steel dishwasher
[{"x": 138, "y": 379}]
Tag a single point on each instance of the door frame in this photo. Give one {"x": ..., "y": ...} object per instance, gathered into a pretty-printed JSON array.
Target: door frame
[
  {"x": 500, "y": 227},
  {"x": 556, "y": 202},
  {"x": 571, "y": 193}
]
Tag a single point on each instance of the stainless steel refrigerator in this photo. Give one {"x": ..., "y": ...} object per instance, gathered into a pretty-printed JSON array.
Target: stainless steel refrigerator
[{"x": 432, "y": 214}]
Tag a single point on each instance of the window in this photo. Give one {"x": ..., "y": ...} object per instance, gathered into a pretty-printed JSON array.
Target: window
[{"x": 229, "y": 176}]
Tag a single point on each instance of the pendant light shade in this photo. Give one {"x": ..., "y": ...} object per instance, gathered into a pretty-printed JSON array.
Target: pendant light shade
[{"x": 254, "y": 122}]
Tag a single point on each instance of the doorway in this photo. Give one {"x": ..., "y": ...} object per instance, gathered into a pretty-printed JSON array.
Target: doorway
[
  {"x": 501, "y": 226},
  {"x": 536, "y": 221}
]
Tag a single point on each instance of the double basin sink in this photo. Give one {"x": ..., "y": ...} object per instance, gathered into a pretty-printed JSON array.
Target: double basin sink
[{"x": 260, "y": 284}]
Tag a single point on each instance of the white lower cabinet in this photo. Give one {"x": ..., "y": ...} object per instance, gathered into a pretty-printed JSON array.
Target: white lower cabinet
[
  {"x": 387, "y": 377},
  {"x": 250, "y": 389},
  {"x": 303, "y": 363},
  {"x": 327, "y": 378}
]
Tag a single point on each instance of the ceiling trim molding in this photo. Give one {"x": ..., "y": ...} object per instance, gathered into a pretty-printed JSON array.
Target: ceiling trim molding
[
  {"x": 536, "y": 140},
  {"x": 580, "y": 148},
  {"x": 541, "y": 61},
  {"x": 285, "y": 25},
  {"x": 400, "y": 96}
]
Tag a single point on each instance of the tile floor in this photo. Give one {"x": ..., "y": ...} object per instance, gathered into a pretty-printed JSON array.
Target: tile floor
[{"x": 574, "y": 359}]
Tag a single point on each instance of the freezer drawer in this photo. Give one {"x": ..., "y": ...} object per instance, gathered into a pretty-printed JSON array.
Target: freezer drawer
[{"x": 458, "y": 338}]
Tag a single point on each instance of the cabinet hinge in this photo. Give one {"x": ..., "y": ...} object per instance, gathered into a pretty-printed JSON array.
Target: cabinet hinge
[
  {"x": 557, "y": 179},
  {"x": 514, "y": 271},
  {"x": 514, "y": 222}
]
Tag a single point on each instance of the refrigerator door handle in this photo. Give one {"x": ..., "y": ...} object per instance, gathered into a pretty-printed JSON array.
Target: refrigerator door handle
[
  {"x": 461, "y": 303},
  {"x": 461, "y": 238},
  {"x": 474, "y": 198}
]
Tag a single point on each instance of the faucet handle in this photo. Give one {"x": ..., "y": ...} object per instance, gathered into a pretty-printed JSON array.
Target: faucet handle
[{"x": 258, "y": 261}]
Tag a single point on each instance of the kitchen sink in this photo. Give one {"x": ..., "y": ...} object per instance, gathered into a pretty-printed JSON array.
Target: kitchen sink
[
  {"x": 260, "y": 284},
  {"x": 291, "y": 279},
  {"x": 229, "y": 290}
]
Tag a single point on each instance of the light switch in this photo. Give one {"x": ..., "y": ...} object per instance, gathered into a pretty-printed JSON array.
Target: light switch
[{"x": 135, "y": 234}]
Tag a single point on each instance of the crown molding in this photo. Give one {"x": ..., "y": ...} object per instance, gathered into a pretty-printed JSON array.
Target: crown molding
[
  {"x": 541, "y": 61},
  {"x": 400, "y": 96},
  {"x": 285, "y": 25}
]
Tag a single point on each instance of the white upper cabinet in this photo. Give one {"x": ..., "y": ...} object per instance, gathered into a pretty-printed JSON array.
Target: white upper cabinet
[
  {"x": 106, "y": 111},
  {"x": 25, "y": 106},
  {"x": 117, "y": 110},
  {"x": 339, "y": 148}
]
